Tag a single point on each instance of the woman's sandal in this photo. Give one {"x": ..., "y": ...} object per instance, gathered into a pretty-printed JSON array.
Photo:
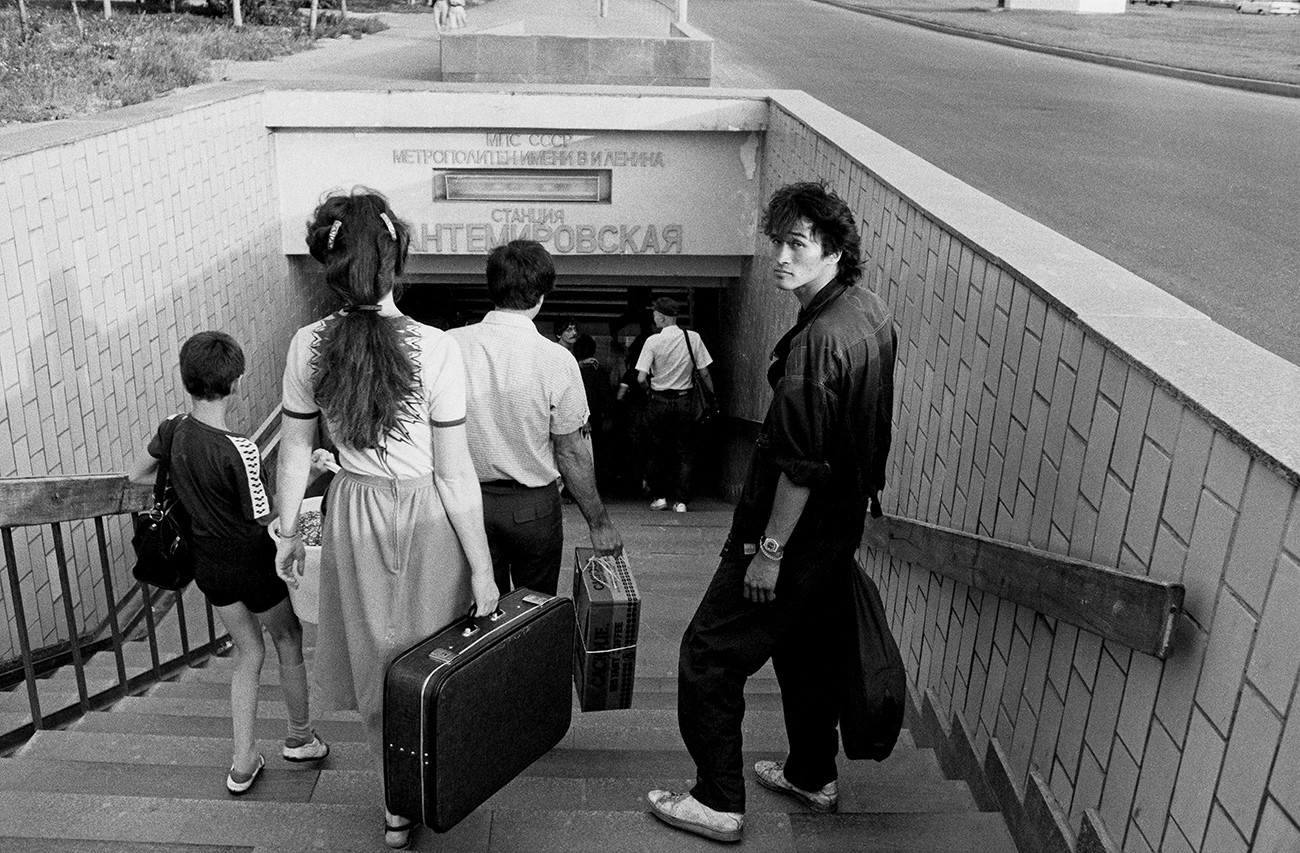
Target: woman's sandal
[{"x": 398, "y": 837}]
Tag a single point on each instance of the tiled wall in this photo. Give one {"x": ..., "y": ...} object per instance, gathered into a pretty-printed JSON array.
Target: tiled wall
[
  {"x": 114, "y": 247},
  {"x": 1014, "y": 420}
]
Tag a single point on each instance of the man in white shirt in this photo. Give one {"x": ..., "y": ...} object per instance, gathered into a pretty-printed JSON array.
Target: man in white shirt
[
  {"x": 526, "y": 414},
  {"x": 666, "y": 370}
]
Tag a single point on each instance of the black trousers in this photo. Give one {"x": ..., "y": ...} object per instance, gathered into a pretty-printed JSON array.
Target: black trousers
[
  {"x": 671, "y": 432},
  {"x": 730, "y": 639},
  {"x": 525, "y": 533}
]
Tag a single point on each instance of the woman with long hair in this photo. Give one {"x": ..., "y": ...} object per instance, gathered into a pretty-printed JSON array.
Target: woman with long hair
[{"x": 403, "y": 549}]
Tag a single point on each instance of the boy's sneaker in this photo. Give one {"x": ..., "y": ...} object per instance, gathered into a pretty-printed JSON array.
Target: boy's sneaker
[
  {"x": 659, "y": 504},
  {"x": 771, "y": 775},
  {"x": 685, "y": 812},
  {"x": 239, "y": 783},
  {"x": 679, "y": 507},
  {"x": 307, "y": 750}
]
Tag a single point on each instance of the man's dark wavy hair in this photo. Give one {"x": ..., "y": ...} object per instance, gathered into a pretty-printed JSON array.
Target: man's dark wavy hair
[
  {"x": 210, "y": 364},
  {"x": 364, "y": 371},
  {"x": 832, "y": 222},
  {"x": 518, "y": 274}
]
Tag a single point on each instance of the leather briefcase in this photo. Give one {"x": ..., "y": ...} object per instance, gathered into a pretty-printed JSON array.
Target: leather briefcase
[{"x": 468, "y": 709}]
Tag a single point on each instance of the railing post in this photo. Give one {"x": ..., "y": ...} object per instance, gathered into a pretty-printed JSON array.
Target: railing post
[
  {"x": 74, "y": 636},
  {"x": 20, "y": 615},
  {"x": 101, "y": 539}
]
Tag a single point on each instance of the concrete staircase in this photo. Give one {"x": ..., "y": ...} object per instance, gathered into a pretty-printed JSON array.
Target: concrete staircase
[{"x": 149, "y": 774}]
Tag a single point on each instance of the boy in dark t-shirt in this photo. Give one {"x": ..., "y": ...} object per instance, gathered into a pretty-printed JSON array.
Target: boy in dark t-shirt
[{"x": 217, "y": 474}]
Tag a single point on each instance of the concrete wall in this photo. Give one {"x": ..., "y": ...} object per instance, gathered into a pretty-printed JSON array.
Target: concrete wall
[
  {"x": 508, "y": 54},
  {"x": 1092, "y": 7},
  {"x": 1049, "y": 398},
  {"x": 121, "y": 236}
]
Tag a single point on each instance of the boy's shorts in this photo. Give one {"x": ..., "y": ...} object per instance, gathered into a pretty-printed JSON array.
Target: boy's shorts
[{"x": 238, "y": 570}]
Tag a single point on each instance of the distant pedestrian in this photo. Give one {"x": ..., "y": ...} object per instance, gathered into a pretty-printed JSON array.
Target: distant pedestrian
[
  {"x": 666, "y": 369},
  {"x": 455, "y": 14},
  {"x": 566, "y": 332},
  {"x": 817, "y": 467},
  {"x": 527, "y": 415}
]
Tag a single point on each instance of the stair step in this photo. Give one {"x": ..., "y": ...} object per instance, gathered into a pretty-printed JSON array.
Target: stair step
[
  {"x": 532, "y": 793},
  {"x": 276, "y": 826},
  {"x": 267, "y": 827},
  {"x": 178, "y": 750},
  {"x": 281, "y": 781},
  {"x": 269, "y": 728},
  {"x": 215, "y": 684},
  {"x": 66, "y": 845},
  {"x": 216, "y": 708}
]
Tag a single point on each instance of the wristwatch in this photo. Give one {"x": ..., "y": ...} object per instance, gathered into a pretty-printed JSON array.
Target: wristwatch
[{"x": 771, "y": 549}]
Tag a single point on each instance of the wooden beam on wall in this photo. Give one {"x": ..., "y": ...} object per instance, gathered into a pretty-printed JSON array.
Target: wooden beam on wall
[{"x": 1139, "y": 612}]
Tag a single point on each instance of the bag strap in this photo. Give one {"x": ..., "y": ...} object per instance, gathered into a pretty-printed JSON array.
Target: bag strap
[
  {"x": 695, "y": 368},
  {"x": 164, "y": 468}
]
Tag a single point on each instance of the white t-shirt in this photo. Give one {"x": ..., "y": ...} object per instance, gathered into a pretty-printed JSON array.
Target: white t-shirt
[
  {"x": 667, "y": 360},
  {"x": 407, "y": 451}
]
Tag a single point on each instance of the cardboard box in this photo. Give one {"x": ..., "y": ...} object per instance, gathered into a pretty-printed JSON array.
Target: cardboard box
[{"x": 608, "y": 610}]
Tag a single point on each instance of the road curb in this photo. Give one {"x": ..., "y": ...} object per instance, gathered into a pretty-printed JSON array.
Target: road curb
[{"x": 1267, "y": 87}]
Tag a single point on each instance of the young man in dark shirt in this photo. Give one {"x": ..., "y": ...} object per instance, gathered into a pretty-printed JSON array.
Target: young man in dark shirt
[{"x": 818, "y": 464}]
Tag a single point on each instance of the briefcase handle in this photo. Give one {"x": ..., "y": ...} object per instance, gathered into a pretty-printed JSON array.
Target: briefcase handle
[{"x": 470, "y": 617}]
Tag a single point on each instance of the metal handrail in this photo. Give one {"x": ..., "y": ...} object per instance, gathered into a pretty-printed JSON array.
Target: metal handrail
[{"x": 51, "y": 502}]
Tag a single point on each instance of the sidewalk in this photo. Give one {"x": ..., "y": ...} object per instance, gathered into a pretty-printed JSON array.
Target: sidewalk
[
  {"x": 1185, "y": 43},
  {"x": 409, "y": 49}
]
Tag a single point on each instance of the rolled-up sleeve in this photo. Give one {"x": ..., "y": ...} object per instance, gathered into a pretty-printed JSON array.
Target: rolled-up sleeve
[{"x": 800, "y": 429}]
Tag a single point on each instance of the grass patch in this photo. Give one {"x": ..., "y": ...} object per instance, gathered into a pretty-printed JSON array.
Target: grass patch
[
  {"x": 1217, "y": 40},
  {"x": 55, "y": 70}
]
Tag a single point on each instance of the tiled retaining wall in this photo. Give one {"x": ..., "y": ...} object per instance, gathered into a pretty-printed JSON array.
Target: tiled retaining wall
[
  {"x": 1049, "y": 398},
  {"x": 121, "y": 236}
]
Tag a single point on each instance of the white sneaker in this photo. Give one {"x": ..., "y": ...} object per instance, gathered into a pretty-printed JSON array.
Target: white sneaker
[
  {"x": 679, "y": 507},
  {"x": 771, "y": 775},
  {"x": 685, "y": 812},
  {"x": 659, "y": 504}
]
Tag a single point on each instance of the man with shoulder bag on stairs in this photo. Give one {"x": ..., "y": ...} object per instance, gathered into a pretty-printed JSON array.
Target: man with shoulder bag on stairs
[
  {"x": 818, "y": 466},
  {"x": 667, "y": 369}
]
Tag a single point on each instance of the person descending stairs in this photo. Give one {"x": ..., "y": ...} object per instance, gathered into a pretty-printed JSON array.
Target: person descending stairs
[{"x": 147, "y": 775}]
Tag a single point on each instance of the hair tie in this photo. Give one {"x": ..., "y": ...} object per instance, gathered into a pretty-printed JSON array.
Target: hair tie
[
  {"x": 367, "y": 308},
  {"x": 392, "y": 232},
  {"x": 334, "y": 232}
]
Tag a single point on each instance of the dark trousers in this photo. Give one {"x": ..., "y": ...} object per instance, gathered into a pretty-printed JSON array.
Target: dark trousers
[
  {"x": 671, "y": 431},
  {"x": 730, "y": 639},
  {"x": 525, "y": 533}
]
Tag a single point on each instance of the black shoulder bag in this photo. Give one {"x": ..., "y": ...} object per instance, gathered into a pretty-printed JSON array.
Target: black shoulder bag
[
  {"x": 703, "y": 405},
  {"x": 161, "y": 539}
]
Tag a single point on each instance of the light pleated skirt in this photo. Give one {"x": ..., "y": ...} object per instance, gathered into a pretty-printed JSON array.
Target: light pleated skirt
[{"x": 392, "y": 572}]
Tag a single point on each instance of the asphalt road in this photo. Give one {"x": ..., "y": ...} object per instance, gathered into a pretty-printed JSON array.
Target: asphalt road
[{"x": 1195, "y": 188}]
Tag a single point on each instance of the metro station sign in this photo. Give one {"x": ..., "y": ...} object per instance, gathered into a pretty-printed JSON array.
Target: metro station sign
[{"x": 577, "y": 193}]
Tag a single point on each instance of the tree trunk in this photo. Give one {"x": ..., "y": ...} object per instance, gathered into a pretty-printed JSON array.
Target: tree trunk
[
  {"x": 22, "y": 20},
  {"x": 343, "y": 10},
  {"x": 238, "y": 13},
  {"x": 108, "y": 9},
  {"x": 315, "y": 13},
  {"x": 76, "y": 17}
]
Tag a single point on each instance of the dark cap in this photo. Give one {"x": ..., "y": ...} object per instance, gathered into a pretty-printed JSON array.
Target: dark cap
[{"x": 665, "y": 305}]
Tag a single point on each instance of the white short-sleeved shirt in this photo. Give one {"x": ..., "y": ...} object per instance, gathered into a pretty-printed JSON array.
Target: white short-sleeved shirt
[
  {"x": 407, "y": 451},
  {"x": 667, "y": 360},
  {"x": 522, "y": 389}
]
